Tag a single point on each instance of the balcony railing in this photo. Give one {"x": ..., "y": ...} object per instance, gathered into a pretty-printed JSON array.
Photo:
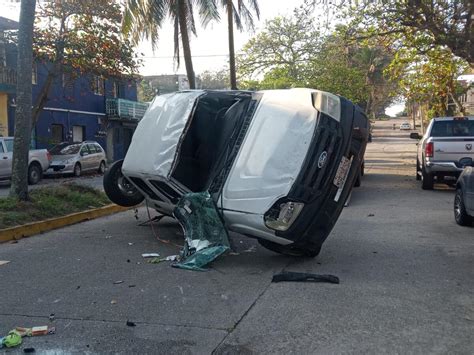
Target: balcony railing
[
  {"x": 125, "y": 109},
  {"x": 7, "y": 79}
]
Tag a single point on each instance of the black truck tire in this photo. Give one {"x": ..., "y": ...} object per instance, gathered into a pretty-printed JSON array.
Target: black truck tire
[
  {"x": 34, "y": 173},
  {"x": 118, "y": 189},
  {"x": 427, "y": 180}
]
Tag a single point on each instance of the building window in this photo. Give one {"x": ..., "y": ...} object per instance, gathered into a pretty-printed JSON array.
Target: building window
[
  {"x": 57, "y": 131},
  {"x": 78, "y": 133},
  {"x": 34, "y": 74},
  {"x": 98, "y": 85}
]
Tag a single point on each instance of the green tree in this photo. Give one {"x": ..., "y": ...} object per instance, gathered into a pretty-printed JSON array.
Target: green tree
[
  {"x": 145, "y": 91},
  {"x": 239, "y": 14},
  {"x": 217, "y": 80},
  {"x": 446, "y": 23},
  {"x": 144, "y": 19},
  {"x": 76, "y": 37},
  {"x": 21, "y": 144}
]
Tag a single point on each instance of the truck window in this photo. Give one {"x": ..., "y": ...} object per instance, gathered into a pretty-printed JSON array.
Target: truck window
[
  {"x": 462, "y": 128},
  {"x": 9, "y": 145}
]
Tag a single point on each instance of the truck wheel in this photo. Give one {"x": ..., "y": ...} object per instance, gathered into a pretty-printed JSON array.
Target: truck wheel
[
  {"x": 418, "y": 172},
  {"x": 310, "y": 251},
  {"x": 118, "y": 189},
  {"x": 358, "y": 179},
  {"x": 460, "y": 214},
  {"x": 34, "y": 174},
  {"x": 427, "y": 180}
]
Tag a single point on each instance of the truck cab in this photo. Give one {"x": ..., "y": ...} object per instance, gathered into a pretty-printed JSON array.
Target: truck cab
[{"x": 279, "y": 164}]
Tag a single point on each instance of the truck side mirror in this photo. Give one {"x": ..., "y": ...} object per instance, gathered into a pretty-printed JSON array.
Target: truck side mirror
[{"x": 415, "y": 135}]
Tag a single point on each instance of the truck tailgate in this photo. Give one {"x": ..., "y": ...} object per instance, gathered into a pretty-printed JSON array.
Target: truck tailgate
[{"x": 453, "y": 148}]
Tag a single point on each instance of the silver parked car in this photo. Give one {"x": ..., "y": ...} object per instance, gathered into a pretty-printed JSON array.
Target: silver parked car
[{"x": 75, "y": 158}]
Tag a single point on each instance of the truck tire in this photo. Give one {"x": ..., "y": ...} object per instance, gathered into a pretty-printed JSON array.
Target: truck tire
[
  {"x": 427, "y": 180},
  {"x": 460, "y": 214},
  {"x": 418, "y": 172},
  {"x": 34, "y": 173},
  {"x": 309, "y": 251},
  {"x": 118, "y": 189}
]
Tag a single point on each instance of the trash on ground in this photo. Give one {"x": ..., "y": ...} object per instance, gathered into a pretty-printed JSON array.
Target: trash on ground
[
  {"x": 11, "y": 340},
  {"x": 29, "y": 350},
  {"x": 14, "y": 337},
  {"x": 4, "y": 262},
  {"x": 304, "y": 277},
  {"x": 113, "y": 302},
  {"x": 204, "y": 232},
  {"x": 118, "y": 282},
  {"x": 130, "y": 244},
  {"x": 159, "y": 260},
  {"x": 150, "y": 255},
  {"x": 131, "y": 324}
]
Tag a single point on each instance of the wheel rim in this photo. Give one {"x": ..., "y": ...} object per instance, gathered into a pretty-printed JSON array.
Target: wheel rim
[
  {"x": 457, "y": 206},
  {"x": 34, "y": 175},
  {"x": 102, "y": 167},
  {"x": 124, "y": 185}
]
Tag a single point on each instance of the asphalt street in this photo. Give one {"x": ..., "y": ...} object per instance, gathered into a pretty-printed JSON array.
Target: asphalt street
[{"x": 406, "y": 271}]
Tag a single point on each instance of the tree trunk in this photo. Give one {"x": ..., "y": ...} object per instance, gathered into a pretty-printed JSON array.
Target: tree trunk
[
  {"x": 21, "y": 144},
  {"x": 183, "y": 27},
  {"x": 233, "y": 77}
]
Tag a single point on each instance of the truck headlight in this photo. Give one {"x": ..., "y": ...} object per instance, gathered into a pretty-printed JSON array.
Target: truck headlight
[{"x": 281, "y": 216}]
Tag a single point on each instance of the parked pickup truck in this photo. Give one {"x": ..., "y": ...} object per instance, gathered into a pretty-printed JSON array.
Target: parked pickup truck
[
  {"x": 444, "y": 149},
  {"x": 279, "y": 164},
  {"x": 39, "y": 160}
]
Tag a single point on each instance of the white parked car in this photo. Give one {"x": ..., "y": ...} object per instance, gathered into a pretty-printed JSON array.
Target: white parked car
[
  {"x": 279, "y": 164},
  {"x": 405, "y": 126}
]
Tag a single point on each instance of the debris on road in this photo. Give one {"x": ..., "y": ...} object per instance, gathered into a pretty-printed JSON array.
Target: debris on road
[
  {"x": 29, "y": 350},
  {"x": 131, "y": 324},
  {"x": 159, "y": 260},
  {"x": 4, "y": 262},
  {"x": 11, "y": 340},
  {"x": 14, "y": 337},
  {"x": 304, "y": 277},
  {"x": 205, "y": 234},
  {"x": 113, "y": 302},
  {"x": 150, "y": 255},
  {"x": 118, "y": 282}
]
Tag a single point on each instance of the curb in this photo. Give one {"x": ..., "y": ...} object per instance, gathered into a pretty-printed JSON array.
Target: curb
[{"x": 27, "y": 230}]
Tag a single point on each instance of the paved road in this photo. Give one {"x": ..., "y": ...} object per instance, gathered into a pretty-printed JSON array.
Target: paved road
[
  {"x": 92, "y": 180},
  {"x": 406, "y": 270}
]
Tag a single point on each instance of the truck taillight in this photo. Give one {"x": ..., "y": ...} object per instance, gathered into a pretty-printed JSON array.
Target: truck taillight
[
  {"x": 50, "y": 157},
  {"x": 429, "y": 150}
]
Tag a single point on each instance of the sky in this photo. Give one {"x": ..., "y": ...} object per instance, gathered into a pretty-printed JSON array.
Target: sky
[{"x": 209, "y": 49}]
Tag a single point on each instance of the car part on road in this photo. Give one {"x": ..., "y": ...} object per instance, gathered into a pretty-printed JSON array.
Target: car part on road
[
  {"x": 304, "y": 277},
  {"x": 205, "y": 235},
  {"x": 118, "y": 189}
]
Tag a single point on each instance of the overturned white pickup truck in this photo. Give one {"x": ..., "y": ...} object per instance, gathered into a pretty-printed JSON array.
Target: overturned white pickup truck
[{"x": 279, "y": 164}]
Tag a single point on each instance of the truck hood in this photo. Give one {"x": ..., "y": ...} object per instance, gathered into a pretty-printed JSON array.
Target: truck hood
[
  {"x": 273, "y": 151},
  {"x": 154, "y": 154}
]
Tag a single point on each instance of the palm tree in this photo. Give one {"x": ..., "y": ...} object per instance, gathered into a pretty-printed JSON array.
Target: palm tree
[
  {"x": 144, "y": 18},
  {"x": 237, "y": 14}
]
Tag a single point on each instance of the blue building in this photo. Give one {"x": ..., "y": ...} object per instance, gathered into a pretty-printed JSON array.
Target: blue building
[{"x": 78, "y": 108}]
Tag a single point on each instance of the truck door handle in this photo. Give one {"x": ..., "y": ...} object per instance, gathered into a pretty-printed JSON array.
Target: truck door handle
[{"x": 5, "y": 158}]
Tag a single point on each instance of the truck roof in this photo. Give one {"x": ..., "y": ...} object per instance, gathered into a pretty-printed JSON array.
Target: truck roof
[{"x": 451, "y": 118}]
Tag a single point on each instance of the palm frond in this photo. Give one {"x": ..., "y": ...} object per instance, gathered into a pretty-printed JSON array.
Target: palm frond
[{"x": 208, "y": 11}]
